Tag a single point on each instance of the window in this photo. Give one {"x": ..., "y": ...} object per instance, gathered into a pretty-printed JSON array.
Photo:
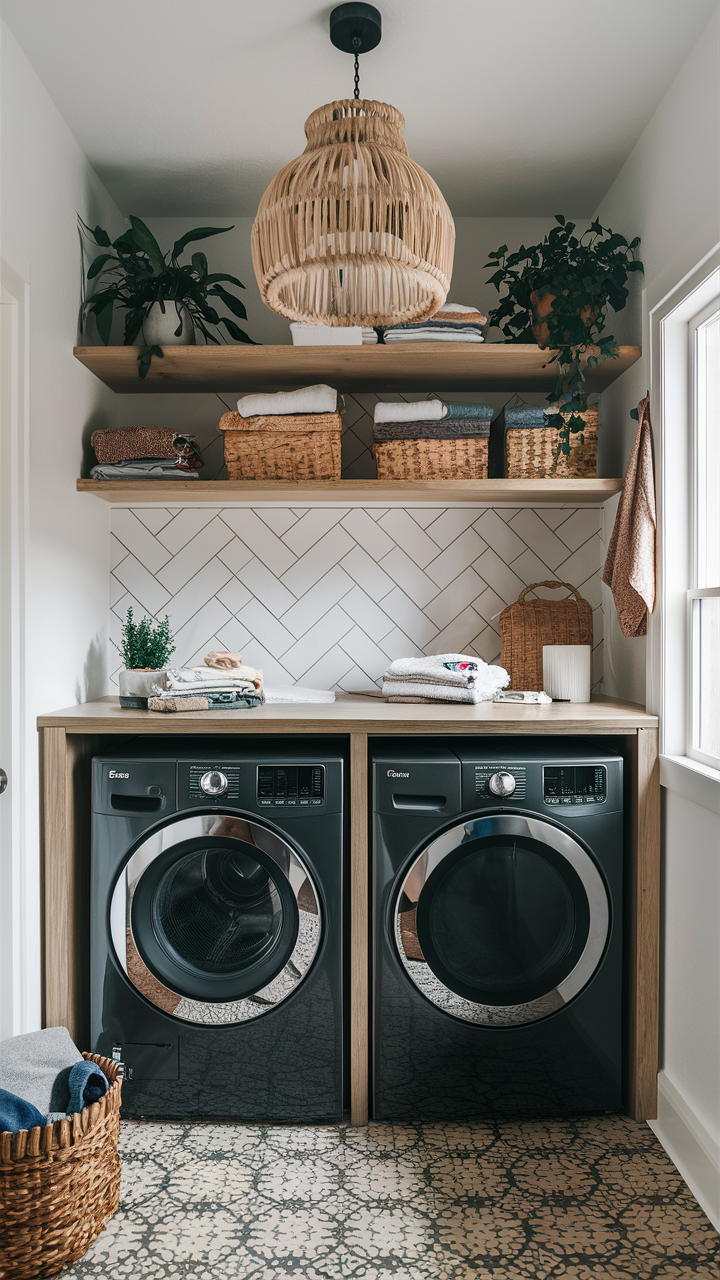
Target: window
[{"x": 703, "y": 739}]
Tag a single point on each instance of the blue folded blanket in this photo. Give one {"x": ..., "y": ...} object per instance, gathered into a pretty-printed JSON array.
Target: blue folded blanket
[
  {"x": 467, "y": 410},
  {"x": 16, "y": 1113}
]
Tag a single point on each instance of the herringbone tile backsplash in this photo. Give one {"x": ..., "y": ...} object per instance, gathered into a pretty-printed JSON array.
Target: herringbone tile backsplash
[{"x": 326, "y": 596}]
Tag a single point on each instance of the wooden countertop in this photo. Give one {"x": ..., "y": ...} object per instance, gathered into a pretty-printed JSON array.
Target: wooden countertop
[{"x": 351, "y": 714}]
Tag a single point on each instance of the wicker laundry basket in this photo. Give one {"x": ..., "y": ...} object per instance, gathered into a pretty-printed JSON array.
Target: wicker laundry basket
[
  {"x": 531, "y": 453},
  {"x": 58, "y": 1185},
  {"x": 527, "y": 625},
  {"x": 463, "y": 459},
  {"x": 282, "y": 446}
]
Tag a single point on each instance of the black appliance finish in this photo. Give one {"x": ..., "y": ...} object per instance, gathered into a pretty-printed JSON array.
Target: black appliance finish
[
  {"x": 217, "y": 927},
  {"x": 497, "y": 928}
]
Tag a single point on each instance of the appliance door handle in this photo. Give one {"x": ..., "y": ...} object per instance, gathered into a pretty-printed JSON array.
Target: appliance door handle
[{"x": 427, "y": 804}]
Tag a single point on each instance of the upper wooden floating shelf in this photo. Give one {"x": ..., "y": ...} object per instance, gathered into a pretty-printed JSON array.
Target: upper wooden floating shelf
[
  {"x": 441, "y": 366},
  {"x": 428, "y": 492}
]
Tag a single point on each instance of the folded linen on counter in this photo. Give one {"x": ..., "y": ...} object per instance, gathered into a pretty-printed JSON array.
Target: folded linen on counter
[
  {"x": 295, "y": 693},
  {"x": 438, "y": 333},
  {"x": 445, "y": 429},
  {"x": 433, "y": 677},
  {"x": 210, "y": 701},
  {"x": 222, "y": 660},
  {"x": 150, "y": 469},
  {"x": 410, "y": 411},
  {"x": 437, "y": 666},
  {"x": 457, "y": 308},
  {"x": 175, "y": 679},
  {"x": 316, "y": 399},
  {"x": 414, "y": 689},
  {"x": 36, "y": 1067}
]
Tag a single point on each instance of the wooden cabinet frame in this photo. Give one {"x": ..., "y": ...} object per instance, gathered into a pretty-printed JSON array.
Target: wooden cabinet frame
[{"x": 69, "y": 739}]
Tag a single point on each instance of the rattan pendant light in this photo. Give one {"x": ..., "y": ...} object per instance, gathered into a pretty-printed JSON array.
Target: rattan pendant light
[{"x": 353, "y": 232}]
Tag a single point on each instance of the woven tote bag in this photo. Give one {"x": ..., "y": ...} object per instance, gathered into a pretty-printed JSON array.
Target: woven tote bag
[{"x": 527, "y": 625}]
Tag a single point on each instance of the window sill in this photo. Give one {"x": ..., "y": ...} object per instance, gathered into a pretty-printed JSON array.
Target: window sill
[{"x": 692, "y": 780}]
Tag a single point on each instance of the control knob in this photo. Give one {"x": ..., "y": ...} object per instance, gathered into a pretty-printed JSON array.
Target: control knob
[
  {"x": 214, "y": 783},
  {"x": 502, "y": 784}
]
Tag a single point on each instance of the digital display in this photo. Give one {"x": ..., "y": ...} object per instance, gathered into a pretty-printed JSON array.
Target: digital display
[
  {"x": 281, "y": 785},
  {"x": 574, "y": 784}
]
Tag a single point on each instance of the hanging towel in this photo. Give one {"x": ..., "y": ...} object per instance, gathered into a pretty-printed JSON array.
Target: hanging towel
[
  {"x": 410, "y": 411},
  {"x": 316, "y": 399},
  {"x": 630, "y": 565}
]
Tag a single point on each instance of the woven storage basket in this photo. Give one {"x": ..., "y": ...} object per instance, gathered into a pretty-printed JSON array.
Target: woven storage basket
[
  {"x": 464, "y": 459},
  {"x": 58, "y": 1185},
  {"x": 527, "y": 625},
  {"x": 531, "y": 453},
  {"x": 282, "y": 446}
]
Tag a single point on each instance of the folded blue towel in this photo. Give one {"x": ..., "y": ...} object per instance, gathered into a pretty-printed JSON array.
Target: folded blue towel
[
  {"x": 16, "y": 1113},
  {"x": 527, "y": 415},
  {"x": 468, "y": 410},
  {"x": 87, "y": 1085}
]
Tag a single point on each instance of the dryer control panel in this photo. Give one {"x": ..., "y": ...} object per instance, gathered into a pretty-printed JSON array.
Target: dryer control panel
[{"x": 286, "y": 786}]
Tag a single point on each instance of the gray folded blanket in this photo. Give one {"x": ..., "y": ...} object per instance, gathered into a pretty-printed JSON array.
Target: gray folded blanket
[
  {"x": 37, "y": 1067},
  {"x": 444, "y": 429}
]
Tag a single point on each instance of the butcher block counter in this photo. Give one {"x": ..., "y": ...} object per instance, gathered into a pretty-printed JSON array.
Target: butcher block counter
[{"x": 71, "y": 737}]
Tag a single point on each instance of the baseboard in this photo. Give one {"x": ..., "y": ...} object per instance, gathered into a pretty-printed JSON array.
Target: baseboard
[{"x": 691, "y": 1148}]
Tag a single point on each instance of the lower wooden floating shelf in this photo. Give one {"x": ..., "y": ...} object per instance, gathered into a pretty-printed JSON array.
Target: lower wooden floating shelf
[{"x": 441, "y": 492}]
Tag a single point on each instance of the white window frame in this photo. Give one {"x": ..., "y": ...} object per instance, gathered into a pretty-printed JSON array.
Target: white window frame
[{"x": 669, "y": 306}]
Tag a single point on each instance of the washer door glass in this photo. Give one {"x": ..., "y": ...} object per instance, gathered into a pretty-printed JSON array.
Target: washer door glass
[
  {"x": 215, "y": 919},
  {"x": 502, "y": 920}
]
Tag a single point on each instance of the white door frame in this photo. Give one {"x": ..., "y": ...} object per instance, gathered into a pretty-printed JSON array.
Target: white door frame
[{"x": 19, "y": 874}]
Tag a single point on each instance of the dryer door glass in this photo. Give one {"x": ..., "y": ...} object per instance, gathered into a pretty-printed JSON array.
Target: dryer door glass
[
  {"x": 215, "y": 919},
  {"x": 502, "y": 920}
]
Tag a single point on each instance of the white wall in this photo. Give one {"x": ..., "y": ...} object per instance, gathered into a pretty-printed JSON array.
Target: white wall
[
  {"x": 668, "y": 193},
  {"x": 47, "y": 181}
]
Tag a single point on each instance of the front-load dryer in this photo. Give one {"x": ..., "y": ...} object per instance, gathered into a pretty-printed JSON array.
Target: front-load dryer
[
  {"x": 497, "y": 928},
  {"x": 217, "y": 927}
]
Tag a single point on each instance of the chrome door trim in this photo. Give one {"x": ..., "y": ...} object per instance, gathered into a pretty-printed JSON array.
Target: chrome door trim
[
  {"x": 205, "y": 826},
  {"x": 419, "y": 971}
]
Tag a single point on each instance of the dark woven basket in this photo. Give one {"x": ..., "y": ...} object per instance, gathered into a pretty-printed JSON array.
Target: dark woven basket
[{"x": 58, "y": 1185}]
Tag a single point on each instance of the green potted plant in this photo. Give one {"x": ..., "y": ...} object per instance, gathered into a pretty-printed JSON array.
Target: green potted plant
[
  {"x": 165, "y": 298},
  {"x": 145, "y": 648},
  {"x": 557, "y": 294}
]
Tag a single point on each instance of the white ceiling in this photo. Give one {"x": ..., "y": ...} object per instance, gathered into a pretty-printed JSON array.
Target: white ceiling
[{"x": 521, "y": 107}]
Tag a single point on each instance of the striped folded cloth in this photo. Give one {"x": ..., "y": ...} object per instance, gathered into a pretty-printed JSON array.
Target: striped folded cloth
[
  {"x": 446, "y": 429},
  {"x": 426, "y": 411}
]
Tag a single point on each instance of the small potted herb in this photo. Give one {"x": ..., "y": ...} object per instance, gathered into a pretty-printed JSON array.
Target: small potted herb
[
  {"x": 145, "y": 648},
  {"x": 557, "y": 294},
  {"x": 166, "y": 299}
]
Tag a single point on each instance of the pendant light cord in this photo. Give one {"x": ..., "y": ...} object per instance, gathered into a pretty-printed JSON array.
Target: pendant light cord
[{"x": 356, "y": 45}]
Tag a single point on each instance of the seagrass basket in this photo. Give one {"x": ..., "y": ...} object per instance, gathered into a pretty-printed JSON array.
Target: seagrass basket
[
  {"x": 527, "y": 625},
  {"x": 58, "y": 1185},
  {"x": 531, "y": 453},
  {"x": 463, "y": 459},
  {"x": 282, "y": 446}
]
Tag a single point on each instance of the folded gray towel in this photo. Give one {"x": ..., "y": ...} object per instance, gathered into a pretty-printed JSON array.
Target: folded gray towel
[{"x": 37, "y": 1067}]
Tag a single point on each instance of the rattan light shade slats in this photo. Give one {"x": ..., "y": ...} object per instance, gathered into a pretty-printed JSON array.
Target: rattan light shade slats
[{"x": 353, "y": 231}]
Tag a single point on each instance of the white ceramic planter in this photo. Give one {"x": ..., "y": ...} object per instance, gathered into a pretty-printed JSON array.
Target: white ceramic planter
[
  {"x": 566, "y": 672},
  {"x": 137, "y": 686},
  {"x": 159, "y": 327}
]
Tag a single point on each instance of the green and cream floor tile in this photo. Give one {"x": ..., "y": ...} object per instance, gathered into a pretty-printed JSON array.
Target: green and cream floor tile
[{"x": 586, "y": 1199}]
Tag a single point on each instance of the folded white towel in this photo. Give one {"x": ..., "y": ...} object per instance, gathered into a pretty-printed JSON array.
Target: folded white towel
[
  {"x": 325, "y": 335},
  {"x": 316, "y": 399},
  {"x": 208, "y": 678},
  {"x": 437, "y": 693},
  {"x": 485, "y": 682},
  {"x": 415, "y": 411},
  {"x": 455, "y": 306},
  {"x": 427, "y": 334},
  {"x": 295, "y": 693}
]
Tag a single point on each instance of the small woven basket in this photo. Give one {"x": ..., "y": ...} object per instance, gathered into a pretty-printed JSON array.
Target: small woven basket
[
  {"x": 464, "y": 459},
  {"x": 531, "y": 453},
  {"x": 282, "y": 446},
  {"x": 58, "y": 1185},
  {"x": 527, "y": 625}
]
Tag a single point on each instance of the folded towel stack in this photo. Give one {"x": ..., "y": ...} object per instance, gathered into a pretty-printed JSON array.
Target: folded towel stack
[
  {"x": 288, "y": 435},
  {"x": 209, "y": 688},
  {"x": 452, "y": 323},
  {"x": 323, "y": 335},
  {"x": 144, "y": 453},
  {"x": 431, "y": 439},
  {"x": 443, "y": 677}
]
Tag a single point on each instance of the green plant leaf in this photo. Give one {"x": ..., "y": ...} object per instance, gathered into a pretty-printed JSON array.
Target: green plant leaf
[
  {"x": 145, "y": 355},
  {"x": 103, "y": 320},
  {"x": 98, "y": 263},
  {"x": 218, "y": 276},
  {"x": 146, "y": 241},
  {"x": 235, "y": 332},
  {"x": 233, "y": 303},
  {"x": 200, "y": 233}
]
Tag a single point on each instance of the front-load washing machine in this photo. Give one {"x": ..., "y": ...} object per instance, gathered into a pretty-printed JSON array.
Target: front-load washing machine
[
  {"x": 217, "y": 927},
  {"x": 497, "y": 928}
]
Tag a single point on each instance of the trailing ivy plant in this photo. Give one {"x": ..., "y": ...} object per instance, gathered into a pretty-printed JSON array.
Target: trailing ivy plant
[
  {"x": 145, "y": 645},
  {"x": 557, "y": 293},
  {"x": 134, "y": 274}
]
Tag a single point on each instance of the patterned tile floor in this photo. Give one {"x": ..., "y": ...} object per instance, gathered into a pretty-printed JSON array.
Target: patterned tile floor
[{"x": 591, "y": 1199}]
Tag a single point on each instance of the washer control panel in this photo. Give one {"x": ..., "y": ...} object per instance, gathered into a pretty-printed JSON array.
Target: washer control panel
[
  {"x": 290, "y": 785},
  {"x": 574, "y": 784},
  {"x": 214, "y": 782},
  {"x": 497, "y": 781}
]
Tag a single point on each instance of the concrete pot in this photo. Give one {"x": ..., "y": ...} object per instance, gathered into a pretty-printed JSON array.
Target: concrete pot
[
  {"x": 136, "y": 687},
  {"x": 159, "y": 327}
]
